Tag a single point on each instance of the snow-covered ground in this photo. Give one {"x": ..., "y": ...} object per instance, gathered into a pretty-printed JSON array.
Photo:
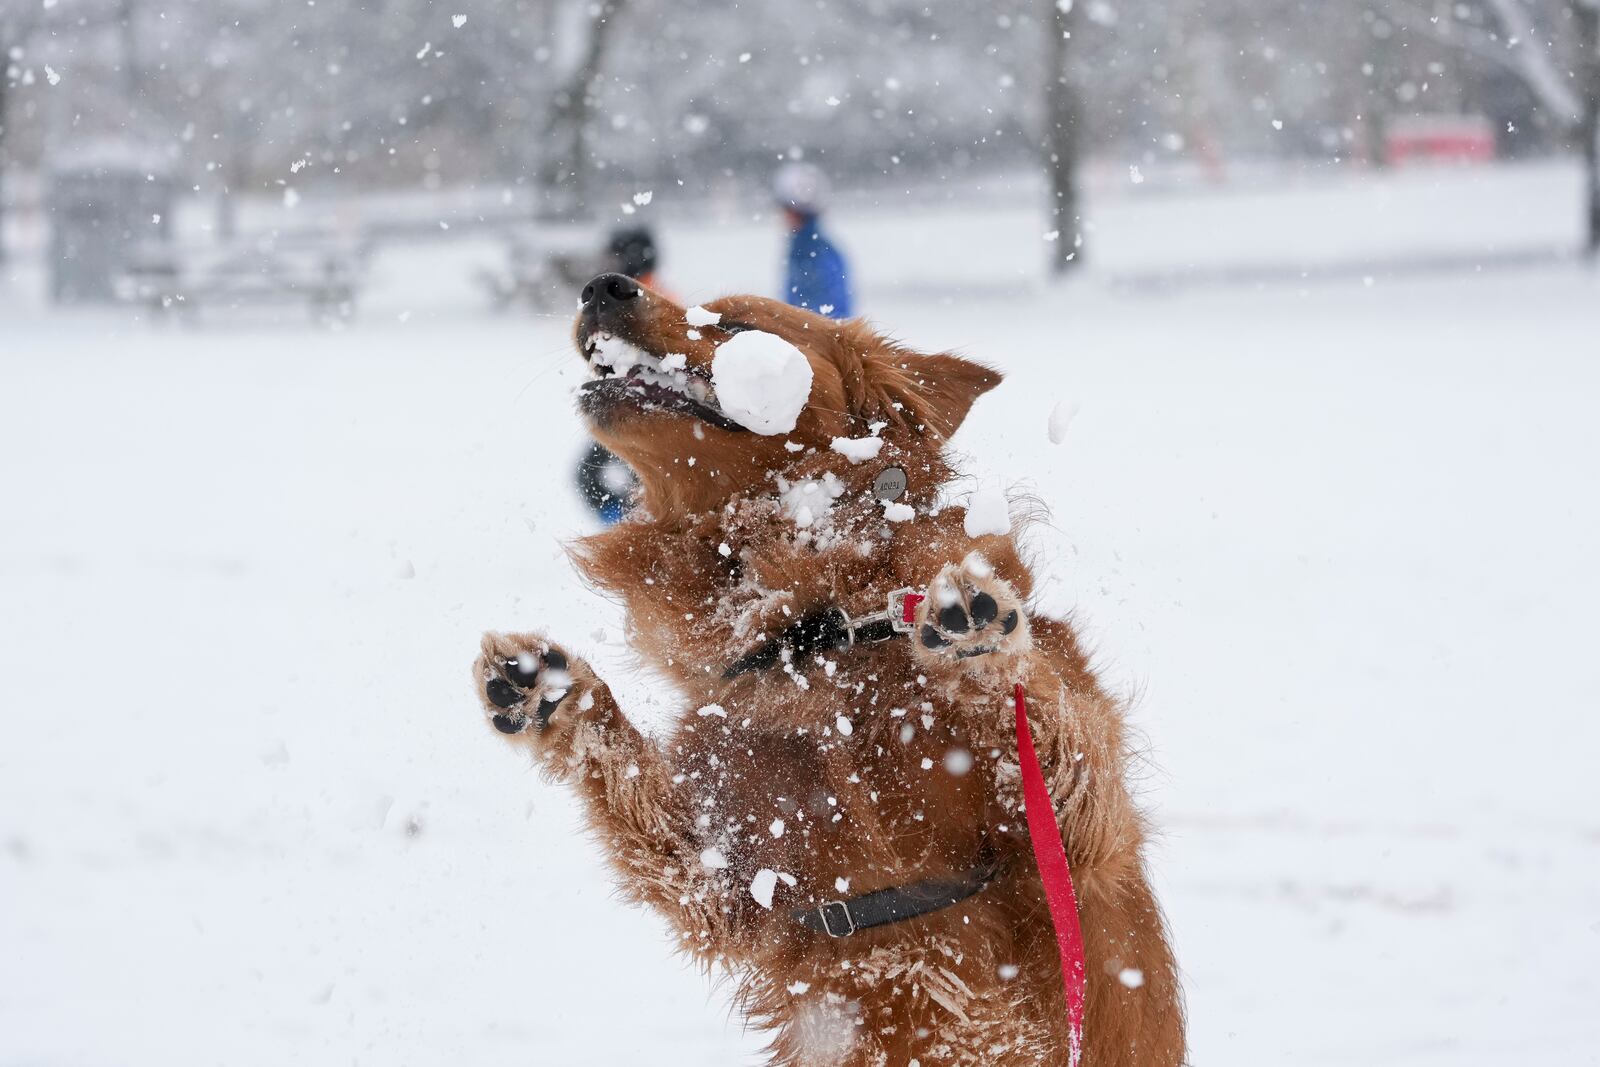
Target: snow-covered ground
[{"x": 1336, "y": 538}]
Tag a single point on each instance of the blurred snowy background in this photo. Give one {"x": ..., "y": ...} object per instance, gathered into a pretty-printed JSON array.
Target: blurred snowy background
[{"x": 286, "y": 421}]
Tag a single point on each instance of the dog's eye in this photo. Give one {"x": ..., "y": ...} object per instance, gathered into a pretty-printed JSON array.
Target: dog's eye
[{"x": 734, "y": 327}]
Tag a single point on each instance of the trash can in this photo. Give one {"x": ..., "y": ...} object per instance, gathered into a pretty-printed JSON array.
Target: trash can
[{"x": 107, "y": 204}]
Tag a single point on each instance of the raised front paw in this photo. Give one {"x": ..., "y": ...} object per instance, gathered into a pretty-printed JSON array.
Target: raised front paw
[
  {"x": 969, "y": 612},
  {"x": 526, "y": 682}
]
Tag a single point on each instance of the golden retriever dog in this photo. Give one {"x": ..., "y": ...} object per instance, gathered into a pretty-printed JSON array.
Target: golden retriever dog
[{"x": 835, "y": 821}]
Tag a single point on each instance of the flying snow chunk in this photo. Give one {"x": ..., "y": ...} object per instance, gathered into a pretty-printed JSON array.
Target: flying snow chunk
[
  {"x": 762, "y": 885},
  {"x": 1061, "y": 417},
  {"x": 51, "y": 76},
  {"x": 1131, "y": 977},
  {"x": 643, "y": 198},
  {"x": 762, "y": 381},
  {"x": 987, "y": 513},
  {"x": 713, "y": 859},
  {"x": 858, "y": 449},
  {"x": 458, "y": 21},
  {"x": 844, "y": 726},
  {"x": 776, "y": 829},
  {"x": 616, "y": 353},
  {"x": 699, "y": 316},
  {"x": 290, "y": 198},
  {"x": 898, "y": 512},
  {"x": 797, "y": 987}
]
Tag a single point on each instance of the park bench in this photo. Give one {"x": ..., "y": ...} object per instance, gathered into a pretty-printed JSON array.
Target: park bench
[{"x": 323, "y": 274}]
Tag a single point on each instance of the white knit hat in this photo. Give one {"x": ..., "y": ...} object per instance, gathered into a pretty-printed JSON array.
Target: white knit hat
[{"x": 801, "y": 186}]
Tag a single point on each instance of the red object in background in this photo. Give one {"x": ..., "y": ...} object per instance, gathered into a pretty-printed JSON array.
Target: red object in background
[{"x": 1439, "y": 139}]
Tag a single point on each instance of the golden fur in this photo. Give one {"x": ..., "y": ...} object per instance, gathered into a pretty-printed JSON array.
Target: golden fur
[{"x": 708, "y": 566}]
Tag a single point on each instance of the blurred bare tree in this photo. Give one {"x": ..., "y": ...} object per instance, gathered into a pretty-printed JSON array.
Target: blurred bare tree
[
  {"x": 568, "y": 162},
  {"x": 1063, "y": 133},
  {"x": 1586, "y": 15}
]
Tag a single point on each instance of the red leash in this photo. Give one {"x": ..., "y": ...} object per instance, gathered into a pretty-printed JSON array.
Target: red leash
[{"x": 1051, "y": 857}]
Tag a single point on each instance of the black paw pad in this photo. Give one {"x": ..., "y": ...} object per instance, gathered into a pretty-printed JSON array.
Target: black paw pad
[
  {"x": 954, "y": 619},
  {"x": 502, "y": 694},
  {"x": 932, "y": 638},
  {"x": 984, "y": 610},
  {"x": 546, "y": 709},
  {"x": 555, "y": 660},
  {"x": 520, "y": 675},
  {"x": 509, "y": 724},
  {"x": 1009, "y": 623}
]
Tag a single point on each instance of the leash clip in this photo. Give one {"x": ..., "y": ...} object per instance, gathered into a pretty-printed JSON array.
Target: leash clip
[
  {"x": 844, "y": 909},
  {"x": 901, "y": 605}
]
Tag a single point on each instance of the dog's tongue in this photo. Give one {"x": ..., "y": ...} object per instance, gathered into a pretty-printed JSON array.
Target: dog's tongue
[{"x": 762, "y": 381}]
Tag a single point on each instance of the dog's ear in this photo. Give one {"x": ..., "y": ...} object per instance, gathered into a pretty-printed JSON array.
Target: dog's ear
[{"x": 934, "y": 393}]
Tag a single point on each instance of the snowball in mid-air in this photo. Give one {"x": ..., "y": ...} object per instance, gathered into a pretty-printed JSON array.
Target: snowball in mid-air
[
  {"x": 699, "y": 316},
  {"x": 1060, "y": 418},
  {"x": 858, "y": 449},
  {"x": 762, "y": 381},
  {"x": 762, "y": 885},
  {"x": 987, "y": 513},
  {"x": 958, "y": 761}
]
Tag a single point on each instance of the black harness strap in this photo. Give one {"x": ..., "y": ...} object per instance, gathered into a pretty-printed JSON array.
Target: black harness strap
[
  {"x": 841, "y": 918},
  {"x": 826, "y": 629}
]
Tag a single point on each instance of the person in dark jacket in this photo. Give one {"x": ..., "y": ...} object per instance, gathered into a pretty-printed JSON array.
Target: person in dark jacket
[{"x": 817, "y": 278}]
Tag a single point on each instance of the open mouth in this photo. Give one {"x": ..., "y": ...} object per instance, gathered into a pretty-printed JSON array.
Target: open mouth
[{"x": 622, "y": 372}]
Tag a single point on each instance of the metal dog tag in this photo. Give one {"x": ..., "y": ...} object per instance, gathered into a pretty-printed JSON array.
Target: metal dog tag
[{"x": 890, "y": 485}]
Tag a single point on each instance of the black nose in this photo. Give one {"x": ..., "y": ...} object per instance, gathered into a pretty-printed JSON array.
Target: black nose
[{"x": 610, "y": 289}]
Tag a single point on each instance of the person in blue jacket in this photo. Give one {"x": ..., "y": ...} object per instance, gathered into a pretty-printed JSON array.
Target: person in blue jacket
[{"x": 818, "y": 278}]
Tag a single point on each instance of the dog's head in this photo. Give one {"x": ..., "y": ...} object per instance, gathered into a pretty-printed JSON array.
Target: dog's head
[{"x": 654, "y": 395}]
